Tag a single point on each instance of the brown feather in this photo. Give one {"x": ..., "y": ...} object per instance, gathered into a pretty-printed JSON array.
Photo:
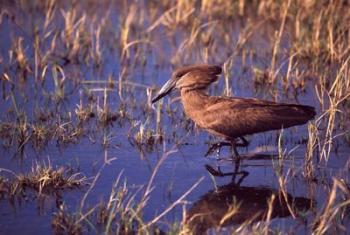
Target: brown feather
[
  {"x": 234, "y": 117},
  {"x": 207, "y": 69},
  {"x": 231, "y": 117}
]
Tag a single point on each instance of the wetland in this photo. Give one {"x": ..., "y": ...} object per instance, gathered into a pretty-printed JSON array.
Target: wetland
[{"x": 84, "y": 151}]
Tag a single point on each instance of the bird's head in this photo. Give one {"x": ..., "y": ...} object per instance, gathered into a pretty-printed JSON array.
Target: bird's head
[{"x": 190, "y": 78}]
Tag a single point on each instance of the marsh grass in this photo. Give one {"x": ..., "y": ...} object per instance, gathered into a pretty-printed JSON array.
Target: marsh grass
[
  {"x": 85, "y": 46},
  {"x": 42, "y": 179},
  {"x": 336, "y": 210},
  {"x": 57, "y": 49},
  {"x": 64, "y": 223},
  {"x": 122, "y": 213}
]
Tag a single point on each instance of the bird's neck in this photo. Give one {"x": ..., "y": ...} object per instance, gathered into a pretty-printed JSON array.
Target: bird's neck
[{"x": 194, "y": 102}]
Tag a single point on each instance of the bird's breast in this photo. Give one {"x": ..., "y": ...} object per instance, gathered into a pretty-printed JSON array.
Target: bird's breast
[{"x": 194, "y": 103}]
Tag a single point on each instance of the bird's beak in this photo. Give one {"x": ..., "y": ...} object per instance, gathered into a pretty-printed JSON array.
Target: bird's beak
[{"x": 166, "y": 89}]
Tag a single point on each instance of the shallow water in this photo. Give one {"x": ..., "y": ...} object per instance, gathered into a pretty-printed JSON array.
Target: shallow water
[{"x": 180, "y": 169}]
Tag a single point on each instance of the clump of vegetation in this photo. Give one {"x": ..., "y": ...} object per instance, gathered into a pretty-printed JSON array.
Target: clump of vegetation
[
  {"x": 122, "y": 213},
  {"x": 64, "y": 223},
  {"x": 73, "y": 70},
  {"x": 42, "y": 179},
  {"x": 45, "y": 178}
]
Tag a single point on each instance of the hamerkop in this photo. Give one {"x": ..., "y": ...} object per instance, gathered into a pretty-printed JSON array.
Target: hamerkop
[{"x": 230, "y": 118}]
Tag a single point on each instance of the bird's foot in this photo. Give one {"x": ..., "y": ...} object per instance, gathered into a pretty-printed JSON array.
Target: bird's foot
[
  {"x": 217, "y": 147},
  {"x": 235, "y": 144}
]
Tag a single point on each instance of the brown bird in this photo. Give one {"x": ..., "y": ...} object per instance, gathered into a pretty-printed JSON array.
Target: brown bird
[{"x": 230, "y": 118}]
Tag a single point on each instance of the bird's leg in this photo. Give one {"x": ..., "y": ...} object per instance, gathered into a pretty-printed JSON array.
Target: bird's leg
[
  {"x": 236, "y": 171},
  {"x": 235, "y": 154},
  {"x": 217, "y": 146},
  {"x": 244, "y": 142},
  {"x": 235, "y": 144}
]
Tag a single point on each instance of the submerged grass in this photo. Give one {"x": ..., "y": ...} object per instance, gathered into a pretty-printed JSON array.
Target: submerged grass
[{"x": 58, "y": 86}]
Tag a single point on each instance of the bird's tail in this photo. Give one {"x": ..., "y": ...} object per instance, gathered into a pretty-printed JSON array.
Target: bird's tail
[
  {"x": 300, "y": 114},
  {"x": 309, "y": 111}
]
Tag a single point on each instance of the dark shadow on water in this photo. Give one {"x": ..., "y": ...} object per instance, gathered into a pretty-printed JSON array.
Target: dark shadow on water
[{"x": 250, "y": 203}]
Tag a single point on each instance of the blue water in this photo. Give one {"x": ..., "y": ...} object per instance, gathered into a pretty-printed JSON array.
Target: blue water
[{"x": 181, "y": 169}]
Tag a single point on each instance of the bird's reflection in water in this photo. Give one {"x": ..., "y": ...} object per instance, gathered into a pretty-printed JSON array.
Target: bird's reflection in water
[
  {"x": 237, "y": 163},
  {"x": 251, "y": 204}
]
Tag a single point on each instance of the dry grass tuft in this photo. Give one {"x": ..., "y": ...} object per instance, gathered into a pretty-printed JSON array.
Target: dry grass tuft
[
  {"x": 43, "y": 179},
  {"x": 65, "y": 223}
]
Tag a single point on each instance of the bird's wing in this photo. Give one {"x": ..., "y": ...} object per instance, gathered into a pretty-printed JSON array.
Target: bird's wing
[{"x": 234, "y": 117}]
